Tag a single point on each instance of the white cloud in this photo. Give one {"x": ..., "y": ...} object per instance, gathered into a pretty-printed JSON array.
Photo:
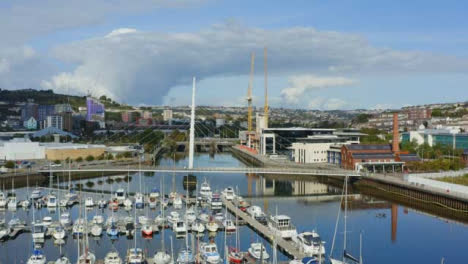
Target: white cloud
[
  {"x": 321, "y": 103},
  {"x": 143, "y": 66},
  {"x": 301, "y": 84}
]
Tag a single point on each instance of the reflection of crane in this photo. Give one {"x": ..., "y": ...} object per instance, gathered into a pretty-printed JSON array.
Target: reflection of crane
[
  {"x": 265, "y": 108},
  {"x": 249, "y": 94}
]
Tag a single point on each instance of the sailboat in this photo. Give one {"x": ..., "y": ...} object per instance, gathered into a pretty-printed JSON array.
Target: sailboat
[
  {"x": 139, "y": 198},
  {"x": 37, "y": 257},
  {"x": 113, "y": 258},
  {"x": 128, "y": 202},
  {"x": 135, "y": 255},
  {"x": 162, "y": 257},
  {"x": 235, "y": 255},
  {"x": 86, "y": 257},
  {"x": 347, "y": 258},
  {"x": 13, "y": 202},
  {"x": 59, "y": 232}
]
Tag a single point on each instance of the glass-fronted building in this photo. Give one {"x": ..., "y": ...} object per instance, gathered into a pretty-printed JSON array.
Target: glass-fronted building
[{"x": 434, "y": 137}]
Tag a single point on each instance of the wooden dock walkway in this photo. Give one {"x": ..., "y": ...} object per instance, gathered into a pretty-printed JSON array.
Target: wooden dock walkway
[{"x": 287, "y": 247}]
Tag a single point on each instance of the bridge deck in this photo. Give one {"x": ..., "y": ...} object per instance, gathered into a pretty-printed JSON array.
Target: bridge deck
[
  {"x": 275, "y": 170},
  {"x": 287, "y": 247}
]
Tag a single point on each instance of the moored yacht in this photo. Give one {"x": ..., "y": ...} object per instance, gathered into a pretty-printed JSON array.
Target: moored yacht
[
  {"x": 281, "y": 225},
  {"x": 36, "y": 194},
  {"x": 139, "y": 200},
  {"x": 228, "y": 193},
  {"x": 185, "y": 256},
  {"x": 3, "y": 200},
  {"x": 215, "y": 202},
  {"x": 258, "y": 251},
  {"x": 51, "y": 201},
  {"x": 209, "y": 253},
  {"x": 205, "y": 190},
  {"x": 89, "y": 202},
  {"x": 37, "y": 258},
  {"x": 120, "y": 195},
  {"x": 65, "y": 219},
  {"x": 135, "y": 256},
  {"x": 310, "y": 243},
  {"x": 153, "y": 198},
  {"x": 112, "y": 258}
]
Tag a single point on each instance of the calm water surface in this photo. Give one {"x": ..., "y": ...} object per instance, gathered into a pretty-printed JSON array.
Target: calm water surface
[{"x": 413, "y": 237}]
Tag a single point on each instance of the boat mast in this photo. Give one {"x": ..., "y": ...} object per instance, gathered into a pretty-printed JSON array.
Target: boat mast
[{"x": 345, "y": 215}]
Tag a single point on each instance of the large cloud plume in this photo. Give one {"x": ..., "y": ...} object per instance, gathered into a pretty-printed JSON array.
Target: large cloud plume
[{"x": 142, "y": 66}]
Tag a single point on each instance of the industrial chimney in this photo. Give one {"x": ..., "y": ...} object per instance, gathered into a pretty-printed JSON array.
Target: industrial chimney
[{"x": 396, "y": 136}]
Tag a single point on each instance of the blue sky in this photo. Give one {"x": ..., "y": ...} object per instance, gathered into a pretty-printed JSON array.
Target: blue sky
[{"x": 322, "y": 54}]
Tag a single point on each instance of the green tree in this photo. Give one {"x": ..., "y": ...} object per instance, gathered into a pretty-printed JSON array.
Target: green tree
[
  {"x": 79, "y": 159},
  {"x": 9, "y": 164},
  {"x": 89, "y": 158}
]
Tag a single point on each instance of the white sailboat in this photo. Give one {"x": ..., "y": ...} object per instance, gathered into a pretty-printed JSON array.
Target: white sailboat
[
  {"x": 86, "y": 257},
  {"x": 162, "y": 257},
  {"x": 112, "y": 258},
  {"x": 346, "y": 258},
  {"x": 37, "y": 257},
  {"x": 135, "y": 255}
]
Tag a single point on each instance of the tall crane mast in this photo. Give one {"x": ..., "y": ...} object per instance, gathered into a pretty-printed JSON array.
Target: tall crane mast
[{"x": 249, "y": 93}]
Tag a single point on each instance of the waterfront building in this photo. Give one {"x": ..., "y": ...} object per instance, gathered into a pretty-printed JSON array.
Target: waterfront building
[
  {"x": 54, "y": 121},
  {"x": 95, "y": 111},
  {"x": 129, "y": 116},
  {"x": 314, "y": 149},
  {"x": 373, "y": 157},
  {"x": 447, "y": 136},
  {"x": 220, "y": 122},
  {"x": 147, "y": 115},
  {"x": 167, "y": 114},
  {"x": 63, "y": 108},
  {"x": 44, "y": 111},
  {"x": 29, "y": 110},
  {"x": 30, "y": 124}
]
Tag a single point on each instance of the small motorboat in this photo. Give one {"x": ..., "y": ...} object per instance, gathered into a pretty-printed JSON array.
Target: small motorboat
[
  {"x": 143, "y": 220},
  {"x": 212, "y": 226},
  {"x": 36, "y": 194},
  {"x": 113, "y": 231},
  {"x": 37, "y": 258},
  {"x": 114, "y": 204},
  {"x": 235, "y": 256},
  {"x": 12, "y": 203},
  {"x": 3, "y": 200},
  {"x": 128, "y": 203},
  {"x": 102, "y": 204},
  {"x": 135, "y": 256},
  {"x": 98, "y": 219},
  {"x": 229, "y": 225},
  {"x": 258, "y": 251},
  {"x": 147, "y": 230},
  {"x": 47, "y": 221},
  {"x": 112, "y": 258},
  {"x": 205, "y": 190},
  {"x": 139, "y": 200},
  {"x": 65, "y": 219},
  {"x": 25, "y": 204},
  {"x": 209, "y": 253},
  {"x": 62, "y": 260},
  {"x": 153, "y": 198},
  {"x": 120, "y": 195},
  {"x": 228, "y": 193},
  {"x": 190, "y": 216},
  {"x": 198, "y": 227},
  {"x": 96, "y": 230},
  {"x": 59, "y": 233},
  {"x": 162, "y": 257},
  {"x": 310, "y": 243},
  {"x": 219, "y": 216},
  {"x": 215, "y": 202},
  {"x": 38, "y": 232},
  {"x": 185, "y": 256},
  {"x": 79, "y": 227},
  {"x": 51, "y": 201},
  {"x": 87, "y": 258},
  {"x": 173, "y": 217},
  {"x": 177, "y": 202},
  {"x": 179, "y": 227},
  {"x": 89, "y": 202}
]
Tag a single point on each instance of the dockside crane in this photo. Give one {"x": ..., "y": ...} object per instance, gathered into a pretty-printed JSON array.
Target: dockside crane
[{"x": 249, "y": 94}]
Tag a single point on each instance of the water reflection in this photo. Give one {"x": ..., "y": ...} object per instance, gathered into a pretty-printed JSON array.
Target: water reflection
[{"x": 391, "y": 233}]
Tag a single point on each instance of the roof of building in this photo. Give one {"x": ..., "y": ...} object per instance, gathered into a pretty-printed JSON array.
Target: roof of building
[
  {"x": 373, "y": 155},
  {"x": 409, "y": 157},
  {"x": 369, "y": 147},
  {"x": 51, "y": 131},
  {"x": 298, "y": 129}
]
